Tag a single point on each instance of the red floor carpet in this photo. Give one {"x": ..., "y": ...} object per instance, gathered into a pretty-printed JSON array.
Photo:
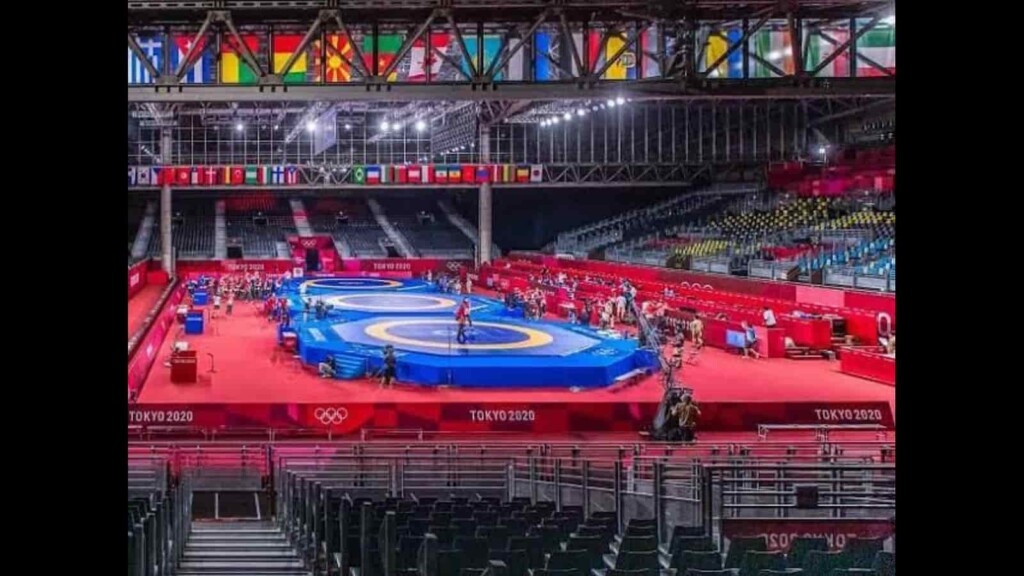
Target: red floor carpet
[
  {"x": 141, "y": 305},
  {"x": 250, "y": 368}
]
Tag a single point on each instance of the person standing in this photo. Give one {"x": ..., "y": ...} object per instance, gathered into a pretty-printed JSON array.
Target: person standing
[
  {"x": 462, "y": 319},
  {"x": 688, "y": 413},
  {"x": 231, "y": 302},
  {"x": 750, "y": 341},
  {"x": 389, "y": 366},
  {"x": 769, "y": 317},
  {"x": 697, "y": 332}
]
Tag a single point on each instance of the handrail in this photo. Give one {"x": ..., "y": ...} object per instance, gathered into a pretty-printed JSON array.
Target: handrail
[{"x": 140, "y": 333}]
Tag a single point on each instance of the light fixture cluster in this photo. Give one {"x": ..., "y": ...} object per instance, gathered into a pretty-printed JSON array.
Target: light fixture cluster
[
  {"x": 385, "y": 126},
  {"x": 584, "y": 110}
]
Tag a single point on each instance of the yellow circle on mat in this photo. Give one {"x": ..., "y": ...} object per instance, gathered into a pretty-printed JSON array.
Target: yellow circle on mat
[
  {"x": 436, "y": 303},
  {"x": 383, "y": 284},
  {"x": 534, "y": 338}
]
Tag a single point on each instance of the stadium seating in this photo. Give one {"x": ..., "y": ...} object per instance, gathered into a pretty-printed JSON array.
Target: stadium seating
[
  {"x": 193, "y": 230},
  {"x": 361, "y": 231},
  {"x": 245, "y": 218},
  {"x": 431, "y": 237}
]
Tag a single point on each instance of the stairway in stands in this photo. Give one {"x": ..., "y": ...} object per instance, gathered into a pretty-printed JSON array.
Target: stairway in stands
[
  {"x": 350, "y": 366},
  {"x": 237, "y": 548}
]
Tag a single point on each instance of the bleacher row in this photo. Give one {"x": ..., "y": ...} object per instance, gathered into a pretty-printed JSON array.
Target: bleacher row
[{"x": 462, "y": 536}]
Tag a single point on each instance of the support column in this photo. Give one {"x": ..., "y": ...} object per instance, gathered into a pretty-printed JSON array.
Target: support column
[
  {"x": 485, "y": 241},
  {"x": 166, "y": 241}
]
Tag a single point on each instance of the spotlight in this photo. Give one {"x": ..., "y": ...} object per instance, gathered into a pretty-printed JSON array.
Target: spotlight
[
  {"x": 567, "y": 116},
  {"x": 593, "y": 108},
  {"x": 821, "y": 150},
  {"x": 384, "y": 126},
  {"x": 348, "y": 126},
  {"x": 276, "y": 127},
  {"x": 620, "y": 100},
  {"x": 421, "y": 125},
  {"x": 554, "y": 120},
  {"x": 311, "y": 126},
  {"x": 239, "y": 127},
  {"x": 581, "y": 112},
  {"x": 396, "y": 127},
  {"x": 611, "y": 103},
  {"x": 602, "y": 106}
]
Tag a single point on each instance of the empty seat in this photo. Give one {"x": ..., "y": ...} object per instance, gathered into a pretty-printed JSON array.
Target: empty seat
[
  {"x": 754, "y": 561},
  {"x": 688, "y": 559},
  {"x": 516, "y": 560},
  {"x": 474, "y": 551},
  {"x": 595, "y": 546},
  {"x": 635, "y": 543},
  {"x": 638, "y": 560},
  {"x": 739, "y": 546},
  {"x": 532, "y": 546},
  {"x": 569, "y": 559},
  {"x": 496, "y": 536},
  {"x": 801, "y": 545},
  {"x": 565, "y": 572},
  {"x": 884, "y": 564},
  {"x": 818, "y": 563},
  {"x": 862, "y": 551}
]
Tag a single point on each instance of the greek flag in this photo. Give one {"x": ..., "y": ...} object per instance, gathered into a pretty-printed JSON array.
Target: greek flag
[{"x": 153, "y": 49}]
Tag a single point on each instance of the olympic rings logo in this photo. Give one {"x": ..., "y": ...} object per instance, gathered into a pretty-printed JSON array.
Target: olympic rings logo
[
  {"x": 328, "y": 416},
  {"x": 453, "y": 266}
]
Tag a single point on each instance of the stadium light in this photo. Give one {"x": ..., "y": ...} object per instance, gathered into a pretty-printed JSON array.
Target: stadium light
[
  {"x": 581, "y": 112},
  {"x": 276, "y": 127},
  {"x": 348, "y": 126},
  {"x": 620, "y": 100},
  {"x": 611, "y": 103},
  {"x": 384, "y": 126},
  {"x": 421, "y": 125},
  {"x": 567, "y": 116},
  {"x": 239, "y": 127},
  {"x": 554, "y": 120},
  {"x": 593, "y": 108},
  {"x": 396, "y": 127},
  {"x": 311, "y": 126},
  {"x": 822, "y": 150}
]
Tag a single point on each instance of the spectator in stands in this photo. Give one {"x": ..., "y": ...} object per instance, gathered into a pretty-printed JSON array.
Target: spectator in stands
[
  {"x": 688, "y": 413},
  {"x": 890, "y": 345},
  {"x": 769, "y": 317},
  {"x": 750, "y": 341},
  {"x": 326, "y": 367},
  {"x": 469, "y": 285}
]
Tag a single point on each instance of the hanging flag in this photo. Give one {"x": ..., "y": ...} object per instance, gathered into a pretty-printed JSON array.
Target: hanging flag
[
  {"x": 492, "y": 43},
  {"x": 401, "y": 174},
  {"x": 427, "y": 174},
  {"x": 387, "y": 49},
  {"x": 238, "y": 175},
  {"x": 441, "y": 174},
  {"x": 142, "y": 176},
  {"x": 233, "y": 69},
  {"x": 373, "y": 174},
  {"x": 522, "y": 173},
  {"x": 330, "y": 67},
  {"x": 291, "y": 175},
  {"x": 818, "y": 49},
  {"x": 132, "y": 178},
  {"x": 415, "y": 174},
  {"x": 422, "y": 59},
  {"x": 277, "y": 174},
  {"x": 263, "y": 175},
  {"x": 157, "y": 175},
  {"x": 543, "y": 71},
  {"x": 468, "y": 173},
  {"x": 183, "y": 175},
  {"x": 483, "y": 173},
  {"x": 211, "y": 176},
  {"x": 201, "y": 70},
  {"x": 649, "y": 51},
  {"x": 284, "y": 46},
  {"x": 774, "y": 47},
  {"x": 515, "y": 69},
  {"x": 359, "y": 174},
  {"x": 153, "y": 48},
  {"x": 623, "y": 68},
  {"x": 195, "y": 175},
  {"x": 508, "y": 173},
  {"x": 454, "y": 174},
  {"x": 536, "y": 173},
  {"x": 251, "y": 175},
  {"x": 879, "y": 46}
]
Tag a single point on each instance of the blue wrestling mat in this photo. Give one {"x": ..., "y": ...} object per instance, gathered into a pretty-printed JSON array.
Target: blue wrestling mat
[{"x": 501, "y": 349}]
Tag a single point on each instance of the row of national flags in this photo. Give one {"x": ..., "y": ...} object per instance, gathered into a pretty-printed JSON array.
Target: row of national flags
[
  {"x": 211, "y": 175},
  {"x": 447, "y": 173}
]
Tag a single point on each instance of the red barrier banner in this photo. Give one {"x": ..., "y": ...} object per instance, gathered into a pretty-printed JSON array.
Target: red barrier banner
[
  {"x": 868, "y": 363},
  {"x": 148, "y": 350},
  {"x": 533, "y": 417},
  {"x": 137, "y": 277},
  {"x": 186, "y": 267},
  {"x": 780, "y": 532},
  {"x": 409, "y": 266}
]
